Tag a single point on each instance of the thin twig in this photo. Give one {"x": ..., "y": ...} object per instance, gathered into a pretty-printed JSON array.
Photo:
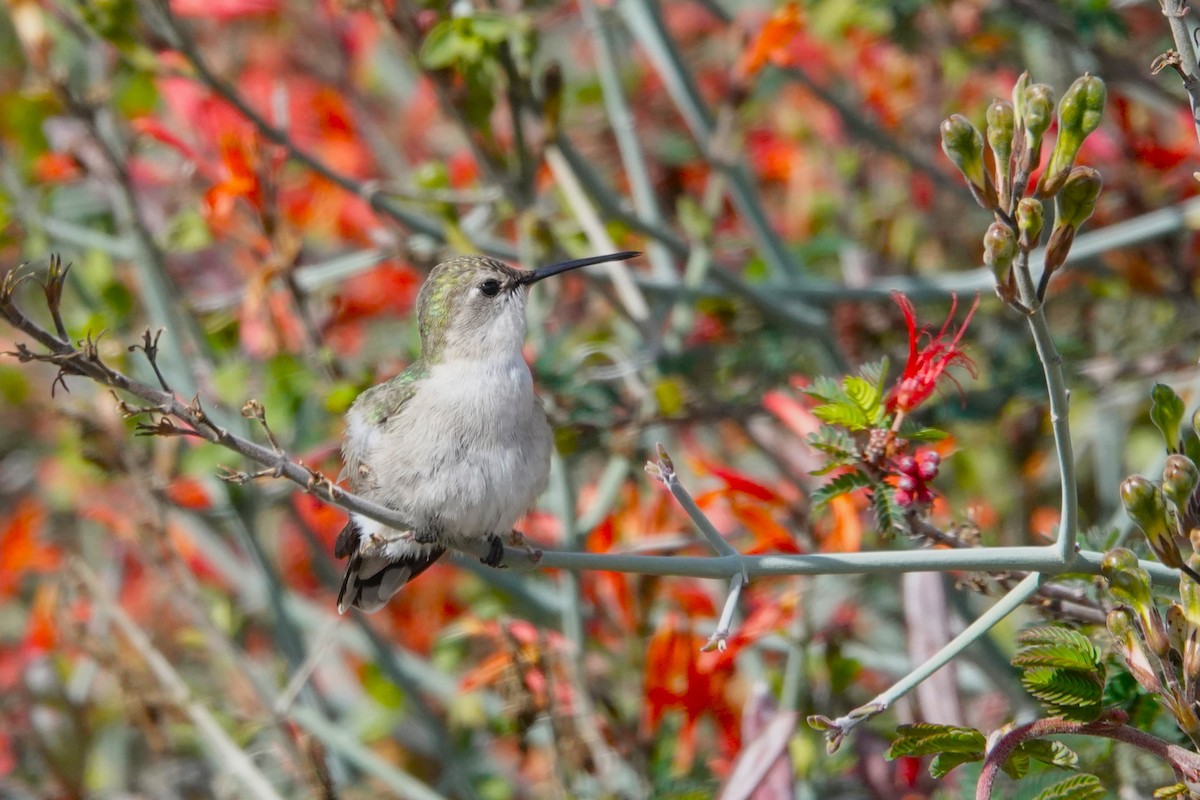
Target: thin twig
[
  {"x": 720, "y": 636},
  {"x": 663, "y": 470}
]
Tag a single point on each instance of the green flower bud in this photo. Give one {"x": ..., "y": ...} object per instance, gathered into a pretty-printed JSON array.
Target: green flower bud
[
  {"x": 1030, "y": 219},
  {"x": 1038, "y": 112},
  {"x": 999, "y": 250},
  {"x": 1121, "y": 628},
  {"x": 1076, "y": 201},
  {"x": 963, "y": 145},
  {"x": 1001, "y": 124},
  {"x": 1018, "y": 95},
  {"x": 1129, "y": 586},
  {"x": 1079, "y": 114},
  {"x": 1146, "y": 506},
  {"x": 1166, "y": 412},
  {"x": 1180, "y": 477},
  {"x": 1118, "y": 559}
]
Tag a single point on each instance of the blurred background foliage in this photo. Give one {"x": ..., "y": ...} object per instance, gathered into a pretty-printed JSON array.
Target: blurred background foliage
[{"x": 269, "y": 182}]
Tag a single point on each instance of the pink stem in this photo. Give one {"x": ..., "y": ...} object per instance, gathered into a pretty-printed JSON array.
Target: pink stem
[{"x": 1111, "y": 726}]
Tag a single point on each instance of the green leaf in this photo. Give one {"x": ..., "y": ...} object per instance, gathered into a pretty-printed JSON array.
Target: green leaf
[
  {"x": 848, "y": 415},
  {"x": 827, "y": 390},
  {"x": 944, "y": 762},
  {"x": 1071, "y": 694},
  {"x": 494, "y": 27},
  {"x": 1055, "y": 646},
  {"x": 889, "y": 516},
  {"x": 1076, "y": 787},
  {"x": 1017, "y": 765},
  {"x": 1166, "y": 412},
  {"x": 1168, "y": 792},
  {"x": 833, "y": 442},
  {"x": 443, "y": 46},
  {"x": 867, "y": 397},
  {"x": 842, "y": 484},
  {"x": 927, "y": 739},
  {"x": 916, "y": 433},
  {"x": 876, "y": 373},
  {"x": 1048, "y": 751}
]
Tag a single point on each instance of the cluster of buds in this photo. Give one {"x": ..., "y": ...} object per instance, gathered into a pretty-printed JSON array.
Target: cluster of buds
[
  {"x": 998, "y": 168},
  {"x": 915, "y": 474},
  {"x": 1166, "y": 511},
  {"x": 1163, "y": 656}
]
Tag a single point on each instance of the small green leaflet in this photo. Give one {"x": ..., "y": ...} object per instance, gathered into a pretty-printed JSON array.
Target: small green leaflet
[
  {"x": 927, "y": 739},
  {"x": 1070, "y": 694},
  {"x": 1076, "y": 787},
  {"x": 889, "y": 517},
  {"x": 842, "y": 484},
  {"x": 1052, "y": 646}
]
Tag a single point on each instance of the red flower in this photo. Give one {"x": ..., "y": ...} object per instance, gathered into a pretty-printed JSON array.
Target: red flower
[{"x": 926, "y": 364}]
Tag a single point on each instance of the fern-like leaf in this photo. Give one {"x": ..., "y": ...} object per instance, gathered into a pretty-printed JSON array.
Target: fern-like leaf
[
  {"x": 867, "y": 397},
  {"x": 927, "y": 739},
  {"x": 1076, "y": 787},
  {"x": 827, "y": 390},
  {"x": 846, "y": 414},
  {"x": 833, "y": 442},
  {"x": 1071, "y": 694},
  {"x": 889, "y": 516},
  {"x": 1056, "y": 646},
  {"x": 843, "y": 484}
]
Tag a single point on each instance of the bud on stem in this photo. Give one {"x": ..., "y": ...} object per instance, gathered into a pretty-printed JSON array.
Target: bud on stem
[{"x": 1079, "y": 114}]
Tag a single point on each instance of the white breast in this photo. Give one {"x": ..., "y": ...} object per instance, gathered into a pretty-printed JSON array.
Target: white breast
[{"x": 469, "y": 453}]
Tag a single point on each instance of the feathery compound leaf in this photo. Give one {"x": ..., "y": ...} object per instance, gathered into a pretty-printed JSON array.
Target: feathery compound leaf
[
  {"x": 944, "y": 762},
  {"x": 846, "y": 414},
  {"x": 867, "y": 397},
  {"x": 1076, "y": 787},
  {"x": 1048, "y": 751},
  {"x": 876, "y": 373},
  {"x": 842, "y": 484},
  {"x": 1057, "y": 634},
  {"x": 889, "y": 516},
  {"x": 914, "y": 432},
  {"x": 837, "y": 445},
  {"x": 827, "y": 390},
  {"x": 927, "y": 739},
  {"x": 1056, "y": 646},
  {"x": 1067, "y": 693}
]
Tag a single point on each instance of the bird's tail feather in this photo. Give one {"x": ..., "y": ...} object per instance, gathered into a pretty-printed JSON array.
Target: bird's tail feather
[{"x": 373, "y": 577}]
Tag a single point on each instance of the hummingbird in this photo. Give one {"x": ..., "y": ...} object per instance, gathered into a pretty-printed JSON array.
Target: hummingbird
[{"x": 458, "y": 443}]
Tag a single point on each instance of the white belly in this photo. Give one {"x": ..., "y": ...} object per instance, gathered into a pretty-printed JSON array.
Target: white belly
[{"x": 468, "y": 454}]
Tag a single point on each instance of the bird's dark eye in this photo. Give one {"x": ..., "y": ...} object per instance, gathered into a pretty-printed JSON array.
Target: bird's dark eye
[{"x": 490, "y": 287}]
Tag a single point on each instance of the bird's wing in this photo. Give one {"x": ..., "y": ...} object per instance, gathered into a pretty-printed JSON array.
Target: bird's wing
[{"x": 367, "y": 420}]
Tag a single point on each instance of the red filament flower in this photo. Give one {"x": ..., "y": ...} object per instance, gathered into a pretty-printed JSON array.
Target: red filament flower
[{"x": 927, "y": 363}]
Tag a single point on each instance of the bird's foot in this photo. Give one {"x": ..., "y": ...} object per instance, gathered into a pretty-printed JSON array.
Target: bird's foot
[
  {"x": 517, "y": 539},
  {"x": 495, "y": 552}
]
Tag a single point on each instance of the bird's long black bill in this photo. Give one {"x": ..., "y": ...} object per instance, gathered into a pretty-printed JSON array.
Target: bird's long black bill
[{"x": 554, "y": 269}]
